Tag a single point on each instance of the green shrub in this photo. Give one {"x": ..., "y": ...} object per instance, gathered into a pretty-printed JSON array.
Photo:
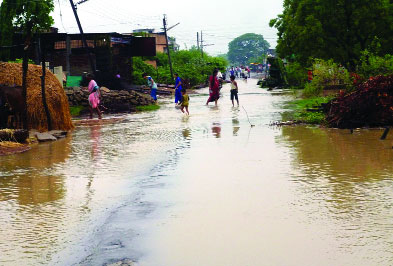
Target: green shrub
[
  {"x": 76, "y": 110},
  {"x": 326, "y": 73},
  {"x": 20, "y": 60},
  {"x": 300, "y": 113},
  {"x": 373, "y": 65},
  {"x": 296, "y": 75},
  {"x": 189, "y": 64},
  {"x": 276, "y": 73},
  {"x": 140, "y": 67}
]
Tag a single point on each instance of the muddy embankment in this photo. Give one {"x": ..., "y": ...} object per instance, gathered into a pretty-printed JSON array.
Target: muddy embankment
[{"x": 112, "y": 100}]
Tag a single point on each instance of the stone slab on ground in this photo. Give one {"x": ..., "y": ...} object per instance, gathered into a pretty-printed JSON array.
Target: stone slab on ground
[
  {"x": 42, "y": 137},
  {"x": 58, "y": 133}
]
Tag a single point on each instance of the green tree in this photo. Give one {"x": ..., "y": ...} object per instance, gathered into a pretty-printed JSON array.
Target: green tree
[
  {"x": 333, "y": 29},
  {"x": 28, "y": 17},
  {"x": 24, "y": 16},
  {"x": 327, "y": 73},
  {"x": 246, "y": 47}
]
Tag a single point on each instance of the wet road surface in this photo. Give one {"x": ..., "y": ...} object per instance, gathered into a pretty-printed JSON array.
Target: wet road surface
[{"x": 161, "y": 188}]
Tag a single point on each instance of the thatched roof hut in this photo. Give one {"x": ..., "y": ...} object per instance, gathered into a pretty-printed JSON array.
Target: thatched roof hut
[{"x": 11, "y": 75}]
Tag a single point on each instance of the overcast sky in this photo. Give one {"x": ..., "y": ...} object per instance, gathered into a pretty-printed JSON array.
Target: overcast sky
[{"x": 221, "y": 21}]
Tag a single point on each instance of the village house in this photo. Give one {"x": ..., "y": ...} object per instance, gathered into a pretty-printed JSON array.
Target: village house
[
  {"x": 110, "y": 52},
  {"x": 161, "y": 46}
]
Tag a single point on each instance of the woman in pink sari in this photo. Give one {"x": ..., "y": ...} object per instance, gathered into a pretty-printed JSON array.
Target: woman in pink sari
[
  {"x": 214, "y": 88},
  {"x": 94, "y": 97}
]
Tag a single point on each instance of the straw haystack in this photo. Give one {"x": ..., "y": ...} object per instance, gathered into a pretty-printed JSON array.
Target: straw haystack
[{"x": 11, "y": 74}]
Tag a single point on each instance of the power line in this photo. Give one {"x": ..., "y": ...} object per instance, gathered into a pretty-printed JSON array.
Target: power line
[
  {"x": 121, "y": 21},
  {"x": 61, "y": 16},
  {"x": 93, "y": 68},
  {"x": 116, "y": 12},
  {"x": 81, "y": 2},
  {"x": 167, "y": 44}
]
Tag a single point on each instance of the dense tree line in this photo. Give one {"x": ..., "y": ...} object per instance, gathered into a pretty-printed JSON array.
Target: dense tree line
[{"x": 334, "y": 29}]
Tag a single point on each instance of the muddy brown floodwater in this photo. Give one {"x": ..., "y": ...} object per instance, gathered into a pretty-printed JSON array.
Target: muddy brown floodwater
[{"x": 160, "y": 189}]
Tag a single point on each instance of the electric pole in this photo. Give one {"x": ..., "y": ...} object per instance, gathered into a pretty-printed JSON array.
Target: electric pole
[
  {"x": 167, "y": 43},
  {"x": 201, "y": 45},
  {"x": 198, "y": 40},
  {"x": 93, "y": 67}
]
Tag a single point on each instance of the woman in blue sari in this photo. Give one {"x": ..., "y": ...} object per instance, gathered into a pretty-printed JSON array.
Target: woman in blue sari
[{"x": 178, "y": 88}]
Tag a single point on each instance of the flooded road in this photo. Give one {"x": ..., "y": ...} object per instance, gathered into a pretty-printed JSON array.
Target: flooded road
[{"x": 161, "y": 188}]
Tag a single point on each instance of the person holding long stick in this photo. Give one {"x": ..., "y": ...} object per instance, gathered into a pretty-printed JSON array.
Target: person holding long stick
[{"x": 214, "y": 88}]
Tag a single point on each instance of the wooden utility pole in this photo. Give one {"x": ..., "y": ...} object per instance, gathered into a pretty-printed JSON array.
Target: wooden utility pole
[
  {"x": 68, "y": 53},
  {"x": 201, "y": 45},
  {"x": 43, "y": 94},
  {"x": 93, "y": 67},
  {"x": 25, "y": 68},
  {"x": 198, "y": 40},
  {"x": 167, "y": 45}
]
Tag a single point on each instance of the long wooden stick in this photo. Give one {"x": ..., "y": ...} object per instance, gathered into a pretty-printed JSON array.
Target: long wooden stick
[
  {"x": 248, "y": 117},
  {"x": 385, "y": 133}
]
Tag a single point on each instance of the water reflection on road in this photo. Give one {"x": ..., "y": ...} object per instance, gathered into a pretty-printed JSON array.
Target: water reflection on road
[{"x": 162, "y": 188}]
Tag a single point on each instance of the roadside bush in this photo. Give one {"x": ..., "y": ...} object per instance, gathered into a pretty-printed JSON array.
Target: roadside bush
[
  {"x": 141, "y": 67},
  {"x": 276, "y": 73},
  {"x": 301, "y": 110},
  {"x": 296, "y": 75},
  {"x": 373, "y": 65},
  {"x": 187, "y": 63},
  {"x": 325, "y": 74}
]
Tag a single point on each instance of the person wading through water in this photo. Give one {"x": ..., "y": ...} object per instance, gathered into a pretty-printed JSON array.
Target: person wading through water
[
  {"x": 152, "y": 85},
  {"x": 94, "y": 96},
  {"x": 214, "y": 88},
  {"x": 178, "y": 88},
  {"x": 234, "y": 90}
]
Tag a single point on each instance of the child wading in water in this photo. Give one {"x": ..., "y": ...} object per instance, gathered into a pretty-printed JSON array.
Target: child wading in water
[
  {"x": 234, "y": 90},
  {"x": 184, "y": 101}
]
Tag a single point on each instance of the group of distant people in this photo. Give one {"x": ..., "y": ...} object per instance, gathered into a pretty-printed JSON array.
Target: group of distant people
[
  {"x": 240, "y": 72},
  {"x": 215, "y": 80},
  {"x": 181, "y": 97}
]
